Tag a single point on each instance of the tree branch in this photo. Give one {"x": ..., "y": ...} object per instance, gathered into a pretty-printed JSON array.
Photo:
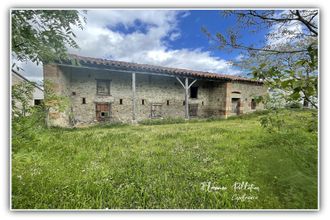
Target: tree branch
[{"x": 310, "y": 26}]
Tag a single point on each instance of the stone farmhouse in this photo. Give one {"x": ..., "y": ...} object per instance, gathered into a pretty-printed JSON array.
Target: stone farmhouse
[{"x": 102, "y": 90}]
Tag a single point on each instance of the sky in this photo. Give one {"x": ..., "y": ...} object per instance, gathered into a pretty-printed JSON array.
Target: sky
[{"x": 171, "y": 38}]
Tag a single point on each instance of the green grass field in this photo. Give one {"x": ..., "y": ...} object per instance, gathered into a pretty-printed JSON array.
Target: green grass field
[{"x": 193, "y": 165}]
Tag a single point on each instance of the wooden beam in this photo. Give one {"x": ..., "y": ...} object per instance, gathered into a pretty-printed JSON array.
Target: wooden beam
[
  {"x": 177, "y": 78},
  {"x": 133, "y": 97},
  {"x": 186, "y": 98},
  {"x": 192, "y": 83},
  {"x": 186, "y": 87}
]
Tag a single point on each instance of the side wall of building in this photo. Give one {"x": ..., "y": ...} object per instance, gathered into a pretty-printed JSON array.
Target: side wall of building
[
  {"x": 247, "y": 92},
  {"x": 160, "y": 93},
  {"x": 163, "y": 91},
  {"x": 60, "y": 84}
]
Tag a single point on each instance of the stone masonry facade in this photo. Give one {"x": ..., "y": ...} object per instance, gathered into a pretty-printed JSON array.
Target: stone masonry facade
[{"x": 157, "y": 96}]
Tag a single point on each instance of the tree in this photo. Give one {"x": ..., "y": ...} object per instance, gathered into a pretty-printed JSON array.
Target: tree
[
  {"x": 43, "y": 35},
  {"x": 40, "y": 36},
  {"x": 21, "y": 99},
  {"x": 26, "y": 118},
  {"x": 287, "y": 59},
  {"x": 256, "y": 20}
]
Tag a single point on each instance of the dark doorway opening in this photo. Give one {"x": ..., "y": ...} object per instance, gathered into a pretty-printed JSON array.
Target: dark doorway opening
[
  {"x": 235, "y": 104},
  {"x": 194, "y": 92},
  {"x": 253, "y": 104}
]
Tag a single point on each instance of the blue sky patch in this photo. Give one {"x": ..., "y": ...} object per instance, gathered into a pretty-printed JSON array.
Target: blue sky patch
[{"x": 138, "y": 26}]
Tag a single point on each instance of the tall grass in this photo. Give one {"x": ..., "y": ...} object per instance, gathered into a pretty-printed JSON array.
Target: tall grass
[{"x": 166, "y": 166}]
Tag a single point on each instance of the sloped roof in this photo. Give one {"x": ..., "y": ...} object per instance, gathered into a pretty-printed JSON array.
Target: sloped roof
[
  {"x": 25, "y": 79},
  {"x": 87, "y": 61}
]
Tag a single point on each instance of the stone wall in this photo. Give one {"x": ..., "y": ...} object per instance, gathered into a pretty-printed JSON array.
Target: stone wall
[
  {"x": 60, "y": 82},
  {"x": 165, "y": 92},
  {"x": 246, "y": 91}
]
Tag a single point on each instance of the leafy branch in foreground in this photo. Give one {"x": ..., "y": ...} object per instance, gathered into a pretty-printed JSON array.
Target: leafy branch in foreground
[
  {"x": 43, "y": 35},
  {"x": 286, "y": 59},
  {"x": 253, "y": 21}
]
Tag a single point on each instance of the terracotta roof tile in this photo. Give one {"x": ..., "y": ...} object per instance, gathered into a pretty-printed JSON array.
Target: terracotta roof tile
[{"x": 160, "y": 69}]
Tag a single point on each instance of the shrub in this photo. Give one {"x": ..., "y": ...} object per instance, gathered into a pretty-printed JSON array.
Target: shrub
[{"x": 293, "y": 105}]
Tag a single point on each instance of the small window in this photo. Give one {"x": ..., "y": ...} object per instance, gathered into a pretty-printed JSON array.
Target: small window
[
  {"x": 83, "y": 100},
  {"x": 203, "y": 103},
  {"x": 73, "y": 93},
  {"x": 253, "y": 104},
  {"x": 193, "y": 92},
  {"x": 184, "y": 103},
  {"x": 142, "y": 101},
  {"x": 103, "y": 87},
  {"x": 37, "y": 101},
  {"x": 120, "y": 101},
  {"x": 168, "y": 102}
]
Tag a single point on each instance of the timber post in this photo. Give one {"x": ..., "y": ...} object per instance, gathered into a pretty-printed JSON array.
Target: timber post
[
  {"x": 133, "y": 98},
  {"x": 186, "y": 87},
  {"x": 186, "y": 98}
]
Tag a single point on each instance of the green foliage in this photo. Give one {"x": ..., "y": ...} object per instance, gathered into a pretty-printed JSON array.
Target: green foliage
[
  {"x": 157, "y": 167},
  {"x": 27, "y": 120},
  {"x": 312, "y": 122},
  {"x": 298, "y": 82},
  {"x": 25, "y": 129},
  {"x": 272, "y": 122},
  {"x": 162, "y": 121},
  {"x": 290, "y": 64},
  {"x": 294, "y": 105},
  {"x": 21, "y": 98},
  {"x": 53, "y": 100},
  {"x": 274, "y": 100},
  {"x": 43, "y": 35},
  {"x": 276, "y": 120}
]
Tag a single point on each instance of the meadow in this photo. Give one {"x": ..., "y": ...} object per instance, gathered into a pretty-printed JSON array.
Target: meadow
[{"x": 200, "y": 164}]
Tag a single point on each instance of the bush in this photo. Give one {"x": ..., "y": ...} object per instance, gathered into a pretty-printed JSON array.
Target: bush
[
  {"x": 293, "y": 105},
  {"x": 25, "y": 129}
]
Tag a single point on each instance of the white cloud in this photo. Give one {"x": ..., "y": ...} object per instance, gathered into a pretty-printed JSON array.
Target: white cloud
[
  {"x": 282, "y": 35},
  {"x": 30, "y": 70},
  {"x": 149, "y": 47},
  {"x": 189, "y": 59},
  {"x": 101, "y": 39},
  {"x": 240, "y": 57}
]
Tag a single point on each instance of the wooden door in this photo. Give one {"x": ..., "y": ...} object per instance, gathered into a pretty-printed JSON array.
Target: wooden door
[
  {"x": 102, "y": 112},
  {"x": 193, "y": 109}
]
